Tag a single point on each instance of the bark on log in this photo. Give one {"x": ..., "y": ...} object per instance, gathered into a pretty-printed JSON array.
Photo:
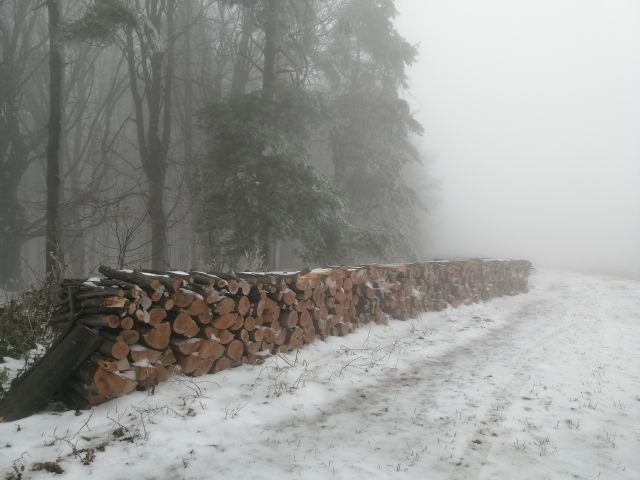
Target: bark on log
[{"x": 33, "y": 390}]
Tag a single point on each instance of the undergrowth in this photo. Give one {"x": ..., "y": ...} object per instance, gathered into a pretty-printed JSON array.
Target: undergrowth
[{"x": 24, "y": 331}]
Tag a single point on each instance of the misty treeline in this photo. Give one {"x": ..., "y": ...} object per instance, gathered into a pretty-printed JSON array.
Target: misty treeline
[{"x": 208, "y": 133}]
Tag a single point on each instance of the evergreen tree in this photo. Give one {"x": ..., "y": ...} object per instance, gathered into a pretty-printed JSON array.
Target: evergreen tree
[{"x": 371, "y": 124}]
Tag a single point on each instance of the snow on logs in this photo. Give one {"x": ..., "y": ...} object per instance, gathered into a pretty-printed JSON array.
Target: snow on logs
[{"x": 153, "y": 323}]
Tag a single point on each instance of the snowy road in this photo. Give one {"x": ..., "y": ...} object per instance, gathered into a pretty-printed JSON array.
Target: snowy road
[{"x": 544, "y": 385}]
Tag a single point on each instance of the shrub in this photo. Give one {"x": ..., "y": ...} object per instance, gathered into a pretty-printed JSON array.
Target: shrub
[{"x": 24, "y": 321}]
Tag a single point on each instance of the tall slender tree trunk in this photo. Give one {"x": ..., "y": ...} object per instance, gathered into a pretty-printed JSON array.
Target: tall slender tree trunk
[
  {"x": 154, "y": 138},
  {"x": 156, "y": 167},
  {"x": 13, "y": 163},
  {"x": 56, "y": 78},
  {"x": 242, "y": 66},
  {"x": 269, "y": 245},
  {"x": 270, "y": 45},
  {"x": 12, "y": 220},
  {"x": 73, "y": 239},
  {"x": 187, "y": 135}
]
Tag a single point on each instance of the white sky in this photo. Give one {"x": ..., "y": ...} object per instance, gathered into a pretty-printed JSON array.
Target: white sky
[{"x": 532, "y": 119}]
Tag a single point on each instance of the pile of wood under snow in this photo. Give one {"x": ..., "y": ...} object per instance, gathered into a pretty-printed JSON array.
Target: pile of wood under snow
[{"x": 152, "y": 324}]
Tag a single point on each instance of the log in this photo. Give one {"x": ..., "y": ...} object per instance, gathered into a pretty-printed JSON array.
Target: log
[
  {"x": 238, "y": 324},
  {"x": 142, "y": 316},
  {"x": 309, "y": 334},
  {"x": 167, "y": 303},
  {"x": 183, "y": 299},
  {"x": 117, "y": 349},
  {"x": 129, "y": 337},
  {"x": 101, "y": 292},
  {"x": 205, "y": 317},
  {"x": 224, "y": 321},
  {"x": 252, "y": 347},
  {"x": 156, "y": 316},
  {"x": 157, "y": 295},
  {"x": 245, "y": 286},
  {"x": 184, "y": 325},
  {"x": 189, "y": 363},
  {"x": 134, "y": 277},
  {"x": 111, "y": 365},
  {"x": 243, "y": 335},
  {"x": 126, "y": 323},
  {"x": 288, "y": 319},
  {"x": 167, "y": 358},
  {"x": 223, "y": 336},
  {"x": 279, "y": 336},
  {"x": 37, "y": 386},
  {"x": 288, "y": 296},
  {"x": 210, "y": 349},
  {"x": 257, "y": 335},
  {"x": 250, "y": 324},
  {"x": 140, "y": 353},
  {"x": 305, "y": 319},
  {"x": 244, "y": 305},
  {"x": 225, "y": 305},
  {"x": 235, "y": 350},
  {"x": 223, "y": 363},
  {"x": 233, "y": 286},
  {"x": 197, "y": 307},
  {"x": 145, "y": 374},
  {"x": 104, "y": 302},
  {"x": 172, "y": 283},
  {"x": 208, "y": 279},
  {"x": 205, "y": 366},
  {"x": 294, "y": 338},
  {"x": 185, "y": 346},
  {"x": 112, "y": 384},
  {"x": 158, "y": 337},
  {"x": 145, "y": 301},
  {"x": 108, "y": 321}
]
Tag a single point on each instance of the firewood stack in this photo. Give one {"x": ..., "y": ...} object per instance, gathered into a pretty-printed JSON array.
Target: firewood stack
[{"x": 155, "y": 323}]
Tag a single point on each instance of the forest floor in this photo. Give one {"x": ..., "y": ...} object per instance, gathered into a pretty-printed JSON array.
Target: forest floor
[{"x": 538, "y": 386}]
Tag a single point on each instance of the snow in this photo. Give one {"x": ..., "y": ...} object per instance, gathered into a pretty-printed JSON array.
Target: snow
[{"x": 537, "y": 386}]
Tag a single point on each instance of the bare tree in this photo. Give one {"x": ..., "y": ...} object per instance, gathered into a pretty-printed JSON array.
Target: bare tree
[
  {"x": 56, "y": 75},
  {"x": 153, "y": 123}
]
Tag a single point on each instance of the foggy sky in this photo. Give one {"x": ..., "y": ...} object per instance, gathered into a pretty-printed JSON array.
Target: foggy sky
[{"x": 532, "y": 119}]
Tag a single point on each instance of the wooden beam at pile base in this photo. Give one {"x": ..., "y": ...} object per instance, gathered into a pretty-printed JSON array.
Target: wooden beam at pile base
[{"x": 40, "y": 383}]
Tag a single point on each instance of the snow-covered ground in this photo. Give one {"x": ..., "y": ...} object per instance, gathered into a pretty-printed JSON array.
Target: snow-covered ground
[{"x": 537, "y": 386}]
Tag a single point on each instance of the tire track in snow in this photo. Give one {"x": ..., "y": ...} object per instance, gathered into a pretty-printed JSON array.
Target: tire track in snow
[{"x": 486, "y": 361}]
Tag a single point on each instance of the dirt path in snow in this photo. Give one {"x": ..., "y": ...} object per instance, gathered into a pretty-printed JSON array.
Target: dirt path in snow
[{"x": 451, "y": 412}]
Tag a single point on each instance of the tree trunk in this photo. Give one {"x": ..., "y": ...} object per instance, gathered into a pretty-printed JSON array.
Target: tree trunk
[
  {"x": 270, "y": 45},
  {"x": 12, "y": 219},
  {"x": 74, "y": 236},
  {"x": 187, "y": 135},
  {"x": 268, "y": 93},
  {"x": 242, "y": 67},
  {"x": 154, "y": 139},
  {"x": 158, "y": 218},
  {"x": 56, "y": 72},
  {"x": 13, "y": 163}
]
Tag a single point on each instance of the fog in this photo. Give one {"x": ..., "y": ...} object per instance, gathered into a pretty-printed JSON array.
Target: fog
[
  {"x": 530, "y": 149},
  {"x": 531, "y": 113}
]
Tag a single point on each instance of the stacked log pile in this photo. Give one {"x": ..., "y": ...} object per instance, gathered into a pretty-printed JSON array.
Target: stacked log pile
[{"x": 153, "y": 323}]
